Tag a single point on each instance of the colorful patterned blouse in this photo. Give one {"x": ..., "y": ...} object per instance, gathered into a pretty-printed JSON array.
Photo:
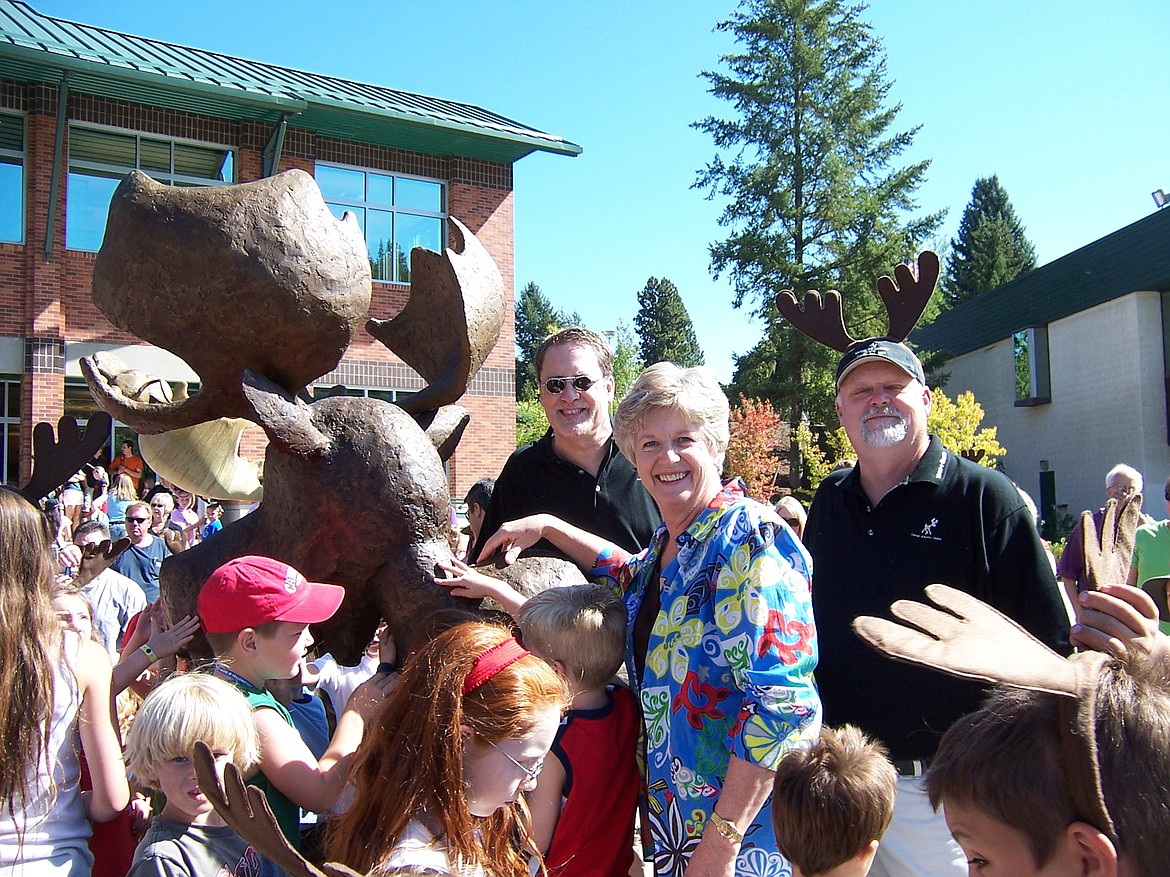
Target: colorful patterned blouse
[{"x": 729, "y": 668}]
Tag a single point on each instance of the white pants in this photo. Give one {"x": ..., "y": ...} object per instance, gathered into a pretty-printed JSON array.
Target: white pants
[{"x": 917, "y": 843}]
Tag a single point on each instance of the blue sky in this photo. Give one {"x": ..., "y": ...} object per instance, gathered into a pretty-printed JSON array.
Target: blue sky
[{"x": 1065, "y": 101}]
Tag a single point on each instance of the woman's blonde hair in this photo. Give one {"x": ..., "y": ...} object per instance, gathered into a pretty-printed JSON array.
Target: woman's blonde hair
[
  {"x": 793, "y": 506},
  {"x": 411, "y": 761},
  {"x": 184, "y": 710},
  {"x": 694, "y": 392},
  {"x": 30, "y": 646},
  {"x": 124, "y": 488}
]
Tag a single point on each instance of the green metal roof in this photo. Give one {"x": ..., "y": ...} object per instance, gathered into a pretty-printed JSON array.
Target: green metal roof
[
  {"x": 38, "y": 48},
  {"x": 1135, "y": 258}
]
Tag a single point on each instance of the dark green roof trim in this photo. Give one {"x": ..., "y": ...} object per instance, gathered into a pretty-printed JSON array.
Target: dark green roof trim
[
  {"x": 1132, "y": 259},
  {"x": 39, "y": 48}
]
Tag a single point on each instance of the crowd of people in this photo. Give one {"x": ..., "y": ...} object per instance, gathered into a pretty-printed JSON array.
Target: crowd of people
[{"x": 685, "y": 713}]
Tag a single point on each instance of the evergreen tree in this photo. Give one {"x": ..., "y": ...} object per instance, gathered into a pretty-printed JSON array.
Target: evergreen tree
[
  {"x": 815, "y": 199},
  {"x": 627, "y": 365},
  {"x": 664, "y": 326},
  {"x": 991, "y": 247},
  {"x": 536, "y": 319}
]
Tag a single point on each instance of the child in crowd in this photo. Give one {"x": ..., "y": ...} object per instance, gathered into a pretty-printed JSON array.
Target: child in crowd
[
  {"x": 188, "y": 837},
  {"x": 1017, "y": 806},
  {"x": 256, "y": 612},
  {"x": 337, "y": 681},
  {"x": 55, "y": 691},
  {"x": 584, "y": 803},
  {"x": 211, "y": 522},
  {"x": 435, "y": 785},
  {"x": 832, "y": 802}
]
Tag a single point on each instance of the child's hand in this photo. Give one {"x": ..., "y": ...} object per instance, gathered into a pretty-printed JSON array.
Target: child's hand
[
  {"x": 367, "y": 698},
  {"x": 167, "y": 642},
  {"x": 467, "y": 582},
  {"x": 387, "y": 649},
  {"x": 1118, "y": 618}
]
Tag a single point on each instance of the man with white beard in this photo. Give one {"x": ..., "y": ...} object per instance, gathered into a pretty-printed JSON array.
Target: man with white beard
[{"x": 909, "y": 514}]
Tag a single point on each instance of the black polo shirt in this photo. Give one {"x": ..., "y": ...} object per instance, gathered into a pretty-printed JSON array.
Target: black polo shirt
[
  {"x": 614, "y": 505},
  {"x": 952, "y": 521}
]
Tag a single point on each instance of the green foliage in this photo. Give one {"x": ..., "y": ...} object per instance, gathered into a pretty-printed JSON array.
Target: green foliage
[
  {"x": 957, "y": 425},
  {"x": 664, "y": 326},
  {"x": 815, "y": 198},
  {"x": 531, "y": 422},
  {"x": 821, "y": 450},
  {"x": 991, "y": 248},
  {"x": 627, "y": 365},
  {"x": 536, "y": 319},
  {"x": 753, "y": 453}
]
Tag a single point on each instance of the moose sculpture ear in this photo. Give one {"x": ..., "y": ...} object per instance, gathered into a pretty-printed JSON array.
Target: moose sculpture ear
[
  {"x": 285, "y": 419},
  {"x": 444, "y": 428}
]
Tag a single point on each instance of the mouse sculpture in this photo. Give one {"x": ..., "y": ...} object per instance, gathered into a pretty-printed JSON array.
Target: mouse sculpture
[{"x": 260, "y": 289}]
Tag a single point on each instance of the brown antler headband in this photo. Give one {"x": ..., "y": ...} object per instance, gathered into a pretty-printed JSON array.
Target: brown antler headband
[
  {"x": 969, "y": 639},
  {"x": 905, "y": 297}
]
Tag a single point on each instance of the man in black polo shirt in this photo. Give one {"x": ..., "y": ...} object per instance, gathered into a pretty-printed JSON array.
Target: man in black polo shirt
[
  {"x": 911, "y": 513},
  {"x": 575, "y": 471}
]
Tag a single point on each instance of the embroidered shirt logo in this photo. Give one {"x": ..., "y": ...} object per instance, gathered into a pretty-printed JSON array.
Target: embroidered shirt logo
[{"x": 927, "y": 531}]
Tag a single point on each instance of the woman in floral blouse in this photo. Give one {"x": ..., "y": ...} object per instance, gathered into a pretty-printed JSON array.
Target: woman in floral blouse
[{"x": 721, "y": 644}]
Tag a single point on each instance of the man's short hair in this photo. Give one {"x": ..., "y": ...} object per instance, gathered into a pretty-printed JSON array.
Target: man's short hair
[
  {"x": 576, "y": 336},
  {"x": 91, "y": 526},
  {"x": 480, "y": 493},
  {"x": 832, "y": 799},
  {"x": 138, "y": 504},
  {"x": 1006, "y": 761},
  {"x": 583, "y": 626},
  {"x": 183, "y": 710},
  {"x": 1127, "y": 471}
]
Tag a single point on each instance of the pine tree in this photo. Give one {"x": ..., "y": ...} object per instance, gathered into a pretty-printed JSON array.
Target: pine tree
[
  {"x": 664, "y": 327},
  {"x": 536, "y": 319},
  {"x": 815, "y": 199},
  {"x": 991, "y": 247}
]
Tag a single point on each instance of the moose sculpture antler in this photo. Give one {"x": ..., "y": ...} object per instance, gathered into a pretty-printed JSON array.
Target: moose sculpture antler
[{"x": 905, "y": 297}]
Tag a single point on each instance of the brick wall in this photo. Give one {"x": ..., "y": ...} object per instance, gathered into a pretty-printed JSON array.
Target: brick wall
[{"x": 49, "y": 298}]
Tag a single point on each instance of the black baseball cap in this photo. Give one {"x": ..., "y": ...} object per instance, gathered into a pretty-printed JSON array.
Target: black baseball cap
[{"x": 880, "y": 348}]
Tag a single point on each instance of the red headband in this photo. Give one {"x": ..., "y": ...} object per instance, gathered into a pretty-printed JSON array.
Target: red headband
[{"x": 492, "y": 662}]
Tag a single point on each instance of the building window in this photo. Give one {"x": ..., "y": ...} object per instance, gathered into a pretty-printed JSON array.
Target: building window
[
  {"x": 10, "y": 431},
  {"x": 11, "y": 178},
  {"x": 99, "y": 158},
  {"x": 396, "y": 214},
  {"x": 322, "y": 392},
  {"x": 1030, "y": 352}
]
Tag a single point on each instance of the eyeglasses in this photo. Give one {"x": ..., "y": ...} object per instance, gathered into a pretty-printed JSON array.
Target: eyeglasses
[
  {"x": 531, "y": 774},
  {"x": 137, "y": 520},
  {"x": 581, "y": 383},
  {"x": 1124, "y": 490},
  {"x": 791, "y": 522}
]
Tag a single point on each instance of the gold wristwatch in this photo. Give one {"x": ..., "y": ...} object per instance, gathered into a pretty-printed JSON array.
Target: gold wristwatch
[{"x": 726, "y": 829}]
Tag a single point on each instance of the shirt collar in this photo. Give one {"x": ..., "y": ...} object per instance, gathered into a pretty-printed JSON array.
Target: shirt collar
[{"x": 931, "y": 468}]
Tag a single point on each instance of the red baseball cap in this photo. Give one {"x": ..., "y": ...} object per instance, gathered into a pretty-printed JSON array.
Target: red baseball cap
[{"x": 250, "y": 591}]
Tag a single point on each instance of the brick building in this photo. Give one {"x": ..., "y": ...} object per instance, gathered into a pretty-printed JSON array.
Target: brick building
[{"x": 80, "y": 106}]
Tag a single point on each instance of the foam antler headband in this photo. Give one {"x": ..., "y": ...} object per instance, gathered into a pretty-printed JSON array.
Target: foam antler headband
[
  {"x": 1107, "y": 558},
  {"x": 905, "y": 297},
  {"x": 967, "y": 638}
]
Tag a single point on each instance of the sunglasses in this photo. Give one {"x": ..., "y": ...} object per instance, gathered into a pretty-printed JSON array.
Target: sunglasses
[
  {"x": 137, "y": 520},
  {"x": 531, "y": 773},
  {"x": 581, "y": 383}
]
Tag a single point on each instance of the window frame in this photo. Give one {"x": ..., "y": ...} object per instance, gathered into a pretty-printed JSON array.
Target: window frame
[
  {"x": 22, "y": 156},
  {"x": 345, "y": 203},
  {"x": 1035, "y": 348},
  {"x": 107, "y": 170}
]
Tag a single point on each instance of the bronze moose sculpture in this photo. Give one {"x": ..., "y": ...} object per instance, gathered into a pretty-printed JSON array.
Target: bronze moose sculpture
[{"x": 260, "y": 289}]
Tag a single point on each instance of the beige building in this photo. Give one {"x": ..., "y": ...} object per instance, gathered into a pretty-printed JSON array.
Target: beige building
[{"x": 1070, "y": 362}]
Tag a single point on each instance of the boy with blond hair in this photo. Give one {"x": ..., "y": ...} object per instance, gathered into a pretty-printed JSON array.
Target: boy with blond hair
[
  {"x": 188, "y": 837},
  {"x": 832, "y": 802},
  {"x": 584, "y": 801},
  {"x": 256, "y": 612}
]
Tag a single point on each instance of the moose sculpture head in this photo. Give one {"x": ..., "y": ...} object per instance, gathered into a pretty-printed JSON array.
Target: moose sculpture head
[{"x": 260, "y": 289}]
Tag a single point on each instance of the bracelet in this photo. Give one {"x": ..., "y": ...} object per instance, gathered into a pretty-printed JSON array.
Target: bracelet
[
  {"x": 726, "y": 829},
  {"x": 150, "y": 653},
  {"x": 387, "y": 667}
]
